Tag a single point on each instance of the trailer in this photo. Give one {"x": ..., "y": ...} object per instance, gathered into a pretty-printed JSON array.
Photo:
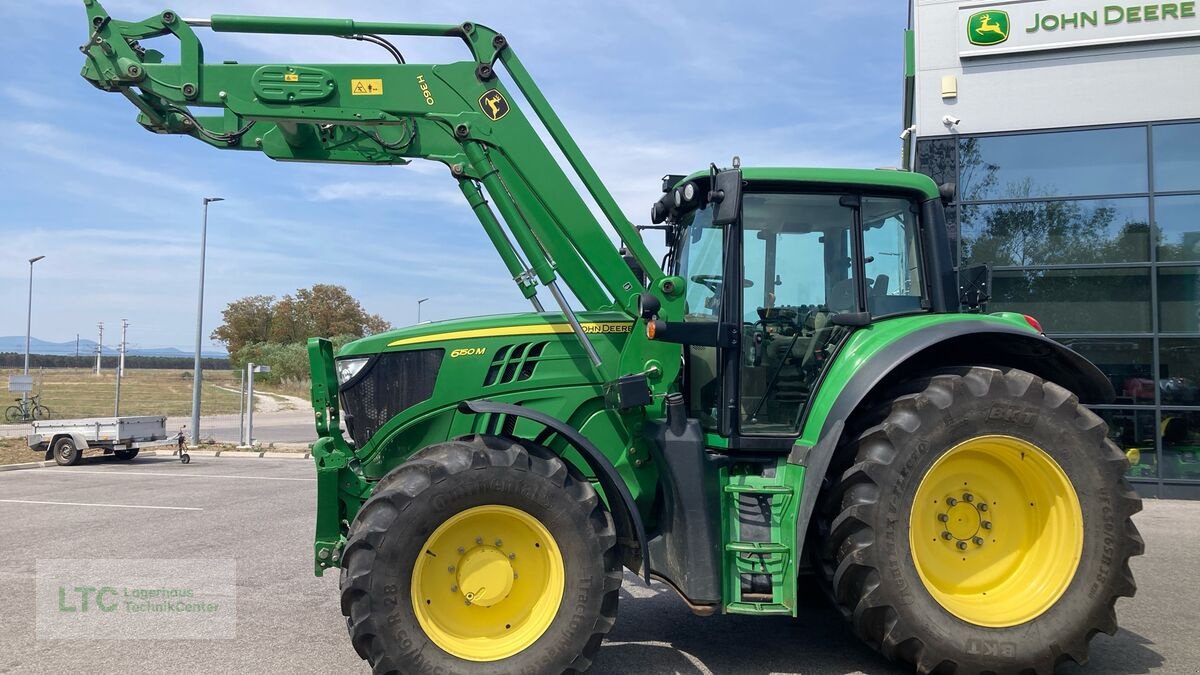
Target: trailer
[{"x": 119, "y": 436}]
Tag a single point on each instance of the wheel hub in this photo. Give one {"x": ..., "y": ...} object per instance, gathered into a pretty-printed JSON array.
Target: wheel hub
[
  {"x": 965, "y": 521},
  {"x": 485, "y": 576}
]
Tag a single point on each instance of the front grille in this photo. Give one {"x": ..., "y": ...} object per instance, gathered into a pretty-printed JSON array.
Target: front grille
[{"x": 391, "y": 383}]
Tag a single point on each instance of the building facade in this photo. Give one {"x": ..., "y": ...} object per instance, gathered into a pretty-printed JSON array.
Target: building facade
[{"x": 1071, "y": 129}]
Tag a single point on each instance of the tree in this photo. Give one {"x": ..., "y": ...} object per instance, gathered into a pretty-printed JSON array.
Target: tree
[
  {"x": 246, "y": 321},
  {"x": 323, "y": 310}
]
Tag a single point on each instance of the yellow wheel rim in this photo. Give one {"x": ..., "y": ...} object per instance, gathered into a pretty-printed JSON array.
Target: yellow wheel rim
[
  {"x": 488, "y": 583},
  {"x": 996, "y": 531}
]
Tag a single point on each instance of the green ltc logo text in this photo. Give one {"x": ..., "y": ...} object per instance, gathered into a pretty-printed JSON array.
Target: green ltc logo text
[{"x": 988, "y": 28}]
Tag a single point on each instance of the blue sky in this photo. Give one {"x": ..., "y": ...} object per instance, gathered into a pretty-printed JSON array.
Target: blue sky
[{"x": 647, "y": 88}]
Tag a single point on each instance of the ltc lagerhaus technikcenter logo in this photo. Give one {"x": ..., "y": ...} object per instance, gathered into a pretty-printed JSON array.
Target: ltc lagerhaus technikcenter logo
[{"x": 989, "y": 27}]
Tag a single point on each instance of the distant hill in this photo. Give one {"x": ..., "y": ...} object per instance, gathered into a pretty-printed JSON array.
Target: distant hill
[{"x": 16, "y": 343}]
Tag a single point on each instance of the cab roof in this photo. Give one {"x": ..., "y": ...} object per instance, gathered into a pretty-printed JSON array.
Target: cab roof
[{"x": 882, "y": 178}]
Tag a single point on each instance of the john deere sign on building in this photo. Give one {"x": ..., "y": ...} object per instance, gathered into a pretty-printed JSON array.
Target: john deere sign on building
[
  {"x": 1059, "y": 24},
  {"x": 1072, "y": 131}
]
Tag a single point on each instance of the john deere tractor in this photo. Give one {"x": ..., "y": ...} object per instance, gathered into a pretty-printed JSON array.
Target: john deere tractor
[{"x": 793, "y": 391}]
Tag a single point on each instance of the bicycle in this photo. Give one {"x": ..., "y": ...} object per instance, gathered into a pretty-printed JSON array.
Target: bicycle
[{"x": 27, "y": 409}]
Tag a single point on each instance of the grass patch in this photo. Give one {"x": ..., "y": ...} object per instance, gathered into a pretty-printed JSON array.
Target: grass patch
[
  {"x": 79, "y": 392},
  {"x": 16, "y": 451}
]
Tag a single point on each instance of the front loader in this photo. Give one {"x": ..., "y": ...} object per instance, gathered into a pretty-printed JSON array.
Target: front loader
[{"x": 793, "y": 391}]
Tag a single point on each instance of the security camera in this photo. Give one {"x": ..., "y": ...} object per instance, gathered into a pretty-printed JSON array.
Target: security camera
[{"x": 950, "y": 121}]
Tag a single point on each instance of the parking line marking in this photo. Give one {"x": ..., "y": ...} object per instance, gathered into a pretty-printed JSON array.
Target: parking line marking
[
  {"x": 115, "y": 506},
  {"x": 68, "y": 472}
]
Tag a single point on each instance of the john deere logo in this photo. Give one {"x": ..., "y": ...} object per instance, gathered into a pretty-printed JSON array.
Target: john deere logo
[
  {"x": 988, "y": 28},
  {"x": 493, "y": 104}
]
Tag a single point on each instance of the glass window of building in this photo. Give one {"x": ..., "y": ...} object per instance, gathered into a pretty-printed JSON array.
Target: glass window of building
[
  {"x": 1180, "y": 431},
  {"x": 1056, "y": 232},
  {"x": 1178, "y": 221},
  {"x": 1179, "y": 371},
  {"x": 1059, "y": 164},
  {"x": 1176, "y": 157},
  {"x": 1179, "y": 299},
  {"x": 1128, "y": 363},
  {"x": 1091, "y": 300}
]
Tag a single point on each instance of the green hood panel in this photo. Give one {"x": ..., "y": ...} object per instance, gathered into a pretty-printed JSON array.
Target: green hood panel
[{"x": 441, "y": 333}]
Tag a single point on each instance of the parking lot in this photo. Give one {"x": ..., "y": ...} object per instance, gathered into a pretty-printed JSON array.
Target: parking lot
[{"x": 259, "y": 513}]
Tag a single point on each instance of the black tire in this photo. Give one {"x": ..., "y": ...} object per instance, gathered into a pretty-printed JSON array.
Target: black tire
[
  {"x": 12, "y": 414},
  {"x": 125, "y": 455},
  {"x": 65, "y": 452},
  {"x": 416, "y": 498},
  {"x": 867, "y": 558},
  {"x": 185, "y": 458}
]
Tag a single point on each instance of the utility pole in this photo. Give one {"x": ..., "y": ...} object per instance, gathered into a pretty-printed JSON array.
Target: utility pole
[
  {"x": 419, "y": 303},
  {"x": 77, "y": 345},
  {"x": 29, "y": 320},
  {"x": 120, "y": 369},
  {"x": 196, "y": 374},
  {"x": 99, "y": 346}
]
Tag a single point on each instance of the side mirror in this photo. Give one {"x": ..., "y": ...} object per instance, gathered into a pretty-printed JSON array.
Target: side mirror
[
  {"x": 726, "y": 195},
  {"x": 974, "y": 285}
]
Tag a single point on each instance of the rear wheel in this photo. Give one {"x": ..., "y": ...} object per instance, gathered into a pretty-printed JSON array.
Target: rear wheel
[
  {"x": 125, "y": 454},
  {"x": 481, "y": 556},
  {"x": 65, "y": 451},
  {"x": 41, "y": 412},
  {"x": 984, "y": 526}
]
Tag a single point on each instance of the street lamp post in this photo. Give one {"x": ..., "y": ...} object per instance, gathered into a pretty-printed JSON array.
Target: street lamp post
[
  {"x": 29, "y": 319},
  {"x": 419, "y": 302},
  {"x": 200, "y": 326}
]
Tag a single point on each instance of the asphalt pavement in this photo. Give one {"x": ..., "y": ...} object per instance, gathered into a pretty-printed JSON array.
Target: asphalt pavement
[{"x": 257, "y": 514}]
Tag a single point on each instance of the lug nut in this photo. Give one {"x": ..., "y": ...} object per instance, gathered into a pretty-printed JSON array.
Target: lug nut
[
  {"x": 951, "y": 501},
  {"x": 978, "y": 541},
  {"x": 968, "y": 497},
  {"x": 479, "y": 541},
  {"x": 947, "y": 536},
  {"x": 450, "y": 569},
  {"x": 499, "y": 543},
  {"x": 962, "y": 545},
  {"x": 983, "y": 506},
  {"x": 454, "y": 589},
  {"x": 987, "y": 524},
  {"x": 943, "y": 517},
  {"x": 461, "y": 550},
  {"x": 512, "y": 556}
]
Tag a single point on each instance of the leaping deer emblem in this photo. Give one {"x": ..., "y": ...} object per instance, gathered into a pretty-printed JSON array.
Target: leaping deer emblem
[
  {"x": 986, "y": 26},
  {"x": 493, "y": 102}
]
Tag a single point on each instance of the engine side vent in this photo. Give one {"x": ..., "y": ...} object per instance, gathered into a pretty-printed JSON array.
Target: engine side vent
[{"x": 514, "y": 362}]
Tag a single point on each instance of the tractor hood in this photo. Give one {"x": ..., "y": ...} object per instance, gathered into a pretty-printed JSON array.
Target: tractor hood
[{"x": 437, "y": 333}]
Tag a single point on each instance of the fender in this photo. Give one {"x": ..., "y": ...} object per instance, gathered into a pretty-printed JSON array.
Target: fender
[
  {"x": 956, "y": 343},
  {"x": 626, "y": 516}
]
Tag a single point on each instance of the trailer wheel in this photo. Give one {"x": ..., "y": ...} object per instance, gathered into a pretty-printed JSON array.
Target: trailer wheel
[
  {"x": 481, "y": 556},
  {"x": 65, "y": 452},
  {"x": 984, "y": 526},
  {"x": 126, "y": 455}
]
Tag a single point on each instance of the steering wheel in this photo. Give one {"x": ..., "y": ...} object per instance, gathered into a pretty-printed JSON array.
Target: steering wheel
[{"x": 714, "y": 282}]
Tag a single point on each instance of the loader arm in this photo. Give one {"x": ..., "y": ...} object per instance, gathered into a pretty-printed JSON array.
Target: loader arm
[{"x": 459, "y": 114}]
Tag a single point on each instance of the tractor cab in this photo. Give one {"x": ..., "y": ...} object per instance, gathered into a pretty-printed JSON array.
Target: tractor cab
[{"x": 813, "y": 257}]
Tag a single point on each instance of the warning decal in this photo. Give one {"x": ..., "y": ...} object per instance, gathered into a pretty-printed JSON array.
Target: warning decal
[{"x": 366, "y": 87}]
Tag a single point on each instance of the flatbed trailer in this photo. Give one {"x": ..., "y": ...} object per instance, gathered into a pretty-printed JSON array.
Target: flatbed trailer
[{"x": 119, "y": 436}]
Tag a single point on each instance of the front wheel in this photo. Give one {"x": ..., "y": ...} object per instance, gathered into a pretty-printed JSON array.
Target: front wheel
[
  {"x": 983, "y": 527},
  {"x": 12, "y": 414},
  {"x": 481, "y": 556},
  {"x": 65, "y": 452}
]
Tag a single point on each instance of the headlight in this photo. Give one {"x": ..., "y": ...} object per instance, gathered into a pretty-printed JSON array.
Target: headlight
[{"x": 348, "y": 368}]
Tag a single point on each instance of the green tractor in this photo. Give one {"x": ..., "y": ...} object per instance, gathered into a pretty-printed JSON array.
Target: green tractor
[{"x": 792, "y": 392}]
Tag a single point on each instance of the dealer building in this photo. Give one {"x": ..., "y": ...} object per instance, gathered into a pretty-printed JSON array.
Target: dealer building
[{"x": 1071, "y": 129}]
